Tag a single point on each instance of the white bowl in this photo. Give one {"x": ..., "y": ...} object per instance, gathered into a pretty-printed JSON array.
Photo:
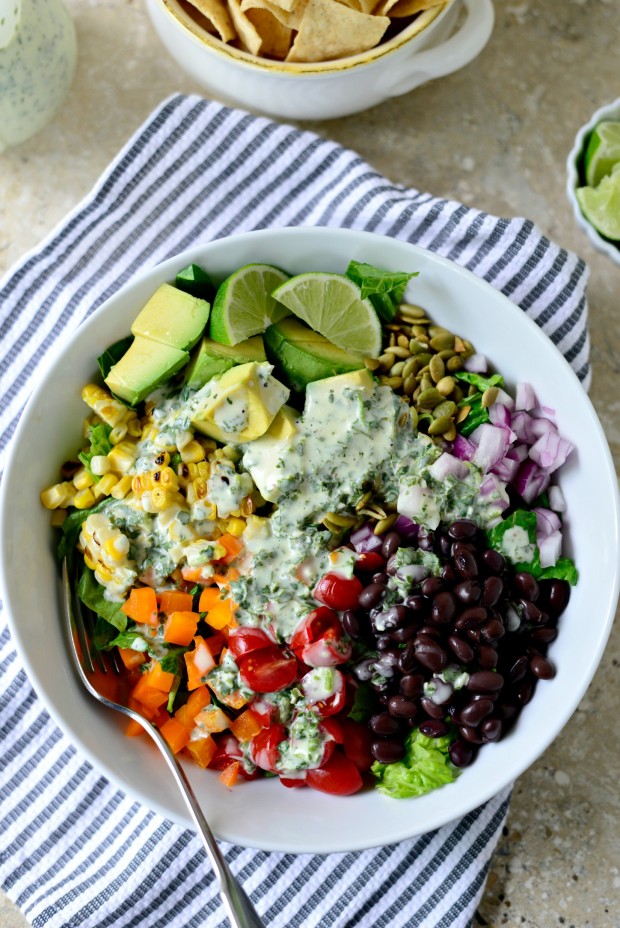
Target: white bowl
[
  {"x": 575, "y": 178},
  {"x": 262, "y": 813},
  {"x": 325, "y": 90}
]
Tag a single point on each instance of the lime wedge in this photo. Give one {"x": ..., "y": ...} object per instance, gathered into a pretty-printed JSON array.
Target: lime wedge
[
  {"x": 602, "y": 153},
  {"x": 243, "y": 304},
  {"x": 601, "y": 205},
  {"x": 332, "y": 305}
]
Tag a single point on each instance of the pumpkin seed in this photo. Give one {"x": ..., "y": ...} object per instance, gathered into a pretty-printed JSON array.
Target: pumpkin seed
[
  {"x": 413, "y": 412},
  {"x": 403, "y": 341},
  {"x": 439, "y": 426},
  {"x": 446, "y": 354},
  {"x": 420, "y": 333},
  {"x": 447, "y": 408},
  {"x": 442, "y": 340},
  {"x": 446, "y": 385},
  {"x": 472, "y": 390},
  {"x": 463, "y": 412},
  {"x": 489, "y": 396},
  {"x": 416, "y": 347},
  {"x": 411, "y": 367},
  {"x": 459, "y": 344},
  {"x": 430, "y": 398},
  {"x": 410, "y": 309},
  {"x": 427, "y": 384},
  {"x": 457, "y": 394},
  {"x": 454, "y": 364},
  {"x": 450, "y": 434},
  {"x": 363, "y": 500},
  {"x": 340, "y": 519},
  {"x": 397, "y": 369},
  {"x": 385, "y": 359},
  {"x": 409, "y": 384},
  {"x": 383, "y": 525},
  {"x": 436, "y": 367},
  {"x": 394, "y": 382},
  {"x": 372, "y": 364},
  {"x": 398, "y": 352}
]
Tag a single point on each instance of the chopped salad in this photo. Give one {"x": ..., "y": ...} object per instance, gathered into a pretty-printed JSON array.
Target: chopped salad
[{"x": 323, "y": 536}]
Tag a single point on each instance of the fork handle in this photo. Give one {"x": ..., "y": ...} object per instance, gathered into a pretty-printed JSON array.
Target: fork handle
[{"x": 241, "y": 913}]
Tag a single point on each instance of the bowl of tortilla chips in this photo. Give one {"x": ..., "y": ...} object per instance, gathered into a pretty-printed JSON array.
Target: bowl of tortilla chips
[{"x": 319, "y": 59}]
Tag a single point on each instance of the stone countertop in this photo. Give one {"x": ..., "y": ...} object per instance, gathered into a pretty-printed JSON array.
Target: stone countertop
[{"x": 495, "y": 136}]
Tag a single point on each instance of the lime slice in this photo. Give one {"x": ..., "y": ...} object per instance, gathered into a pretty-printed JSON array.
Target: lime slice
[
  {"x": 602, "y": 153},
  {"x": 243, "y": 304},
  {"x": 601, "y": 205},
  {"x": 332, "y": 305}
]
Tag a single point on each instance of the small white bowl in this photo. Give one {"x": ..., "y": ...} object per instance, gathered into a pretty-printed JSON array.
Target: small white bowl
[
  {"x": 576, "y": 179},
  {"x": 329, "y": 89},
  {"x": 262, "y": 813}
]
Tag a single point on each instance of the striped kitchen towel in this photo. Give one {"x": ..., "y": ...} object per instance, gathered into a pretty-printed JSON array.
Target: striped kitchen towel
[{"x": 74, "y": 850}]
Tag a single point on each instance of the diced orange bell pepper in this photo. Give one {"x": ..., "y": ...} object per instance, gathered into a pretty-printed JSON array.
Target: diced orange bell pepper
[
  {"x": 180, "y": 627},
  {"x": 133, "y": 728},
  {"x": 225, "y": 579},
  {"x": 212, "y": 719},
  {"x": 221, "y": 614},
  {"x": 198, "y": 699},
  {"x": 230, "y": 775},
  {"x": 198, "y": 662},
  {"x": 233, "y": 546},
  {"x": 192, "y": 574},
  {"x": 208, "y": 598},
  {"x": 130, "y": 658},
  {"x": 160, "y": 679},
  {"x": 176, "y": 601},
  {"x": 185, "y": 716},
  {"x": 141, "y": 606},
  {"x": 201, "y": 750},
  {"x": 245, "y": 726},
  {"x": 147, "y": 695},
  {"x": 175, "y": 734}
]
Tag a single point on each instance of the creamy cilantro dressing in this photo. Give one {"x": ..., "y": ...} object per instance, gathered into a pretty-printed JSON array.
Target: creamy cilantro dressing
[
  {"x": 516, "y": 545},
  {"x": 226, "y": 488},
  {"x": 232, "y": 414}
]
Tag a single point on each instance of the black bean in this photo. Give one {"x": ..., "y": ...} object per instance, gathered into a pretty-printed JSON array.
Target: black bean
[
  {"x": 475, "y": 711},
  {"x": 507, "y": 710},
  {"x": 443, "y": 542},
  {"x": 461, "y": 753},
  {"x": 532, "y": 613},
  {"x": 431, "y": 708},
  {"x": 371, "y": 596},
  {"x": 384, "y": 724},
  {"x": 557, "y": 595},
  {"x": 432, "y": 585},
  {"x": 487, "y": 657},
  {"x": 518, "y": 669},
  {"x": 463, "y": 529},
  {"x": 351, "y": 624},
  {"x": 469, "y": 592},
  {"x": 412, "y": 685},
  {"x": 470, "y": 734},
  {"x": 473, "y": 634},
  {"x": 542, "y": 668},
  {"x": 526, "y": 586},
  {"x": 431, "y": 630},
  {"x": 449, "y": 574},
  {"x": 404, "y": 634},
  {"x": 491, "y": 729},
  {"x": 471, "y": 618},
  {"x": 461, "y": 649},
  {"x": 544, "y": 635},
  {"x": 524, "y": 692},
  {"x": 493, "y": 561},
  {"x": 426, "y": 539},
  {"x": 402, "y": 707},
  {"x": 492, "y": 630},
  {"x": 391, "y": 544},
  {"x": 430, "y": 654},
  {"x": 443, "y": 608},
  {"x": 406, "y": 659},
  {"x": 416, "y": 603},
  {"x": 395, "y": 616},
  {"x": 492, "y": 590},
  {"x": 388, "y": 751},
  {"x": 381, "y": 577},
  {"x": 436, "y": 728},
  {"x": 384, "y": 642},
  {"x": 485, "y": 681}
]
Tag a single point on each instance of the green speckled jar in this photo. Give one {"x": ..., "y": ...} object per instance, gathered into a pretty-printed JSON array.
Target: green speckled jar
[{"x": 37, "y": 63}]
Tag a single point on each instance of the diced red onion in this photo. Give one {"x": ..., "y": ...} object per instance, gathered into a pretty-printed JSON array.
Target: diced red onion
[
  {"x": 493, "y": 488},
  {"x": 448, "y": 465},
  {"x": 541, "y": 426},
  {"x": 463, "y": 448},
  {"x": 547, "y": 522},
  {"x": 550, "y": 548},
  {"x": 504, "y": 399},
  {"x": 506, "y": 469},
  {"x": 364, "y": 540},
  {"x": 521, "y": 425},
  {"x": 550, "y": 451},
  {"x": 407, "y": 529},
  {"x": 543, "y": 412},
  {"x": 556, "y": 499},
  {"x": 476, "y": 364},
  {"x": 531, "y": 481},
  {"x": 493, "y": 443},
  {"x": 518, "y": 453},
  {"x": 500, "y": 415},
  {"x": 525, "y": 398},
  {"x": 415, "y": 501}
]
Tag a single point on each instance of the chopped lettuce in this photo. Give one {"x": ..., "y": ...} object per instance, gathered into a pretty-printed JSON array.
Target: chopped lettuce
[
  {"x": 72, "y": 527},
  {"x": 100, "y": 444},
  {"x": 477, "y": 414},
  {"x": 385, "y": 289},
  {"x": 91, "y": 593},
  {"x": 365, "y": 703},
  {"x": 426, "y": 766},
  {"x": 502, "y": 538},
  {"x": 113, "y": 354}
]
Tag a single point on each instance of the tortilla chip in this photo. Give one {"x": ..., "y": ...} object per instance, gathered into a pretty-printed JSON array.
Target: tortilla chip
[
  {"x": 283, "y": 17},
  {"x": 276, "y": 38},
  {"x": 249, "y": 38},
  {"x": 287, "y": 5},
  {"x": 410, "y": 7},
  {"x": 330, "y": 29},
  {"x": 216, "y": 12}
]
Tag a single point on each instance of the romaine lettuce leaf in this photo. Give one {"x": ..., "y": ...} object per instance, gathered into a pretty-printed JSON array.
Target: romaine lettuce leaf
[
  {"x": 91, "y": 593},
  {"x": 425, "y": 767},
  {"x": 385, "y": 289},
  {"x": 100, "y": 444},
  {"x": 113, "y": 354}
]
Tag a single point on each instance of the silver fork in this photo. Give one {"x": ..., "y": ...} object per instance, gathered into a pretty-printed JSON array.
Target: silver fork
[{"x": 87, "y": 661}]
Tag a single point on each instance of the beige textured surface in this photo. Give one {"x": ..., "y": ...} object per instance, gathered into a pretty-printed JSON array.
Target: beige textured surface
[{"x": 495, "y": 136}]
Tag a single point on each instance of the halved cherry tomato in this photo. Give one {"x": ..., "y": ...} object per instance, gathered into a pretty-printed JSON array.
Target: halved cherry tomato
[
  {"x": 338, "y": 592},
  {"x": 356, "y": 742},
  {"x": 226, "y": 753},
  {"x": 246, "y": 639},
  {"x": 265, "y": 712},
  {"x": 330, "y": 704},
  {"x": 293, "y": 783},
  {"x": 333, "y": 727},
  {"x": 338, "y": 776},
  {"x": 267, "y": 669},
  {"x": 370, "y": 562},
  {"x": 264, "y": 747},
  {"x": 319, "y": 640}
]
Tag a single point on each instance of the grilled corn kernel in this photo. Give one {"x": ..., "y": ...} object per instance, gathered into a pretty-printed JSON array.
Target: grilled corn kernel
[
  {"x": 116, "y": 548},
  {"x": 105, "y": 486},
  {"x": 235, "y": 526},
  {"x": 103, "y": 573},
  {"x": 90, "y": 563},
  {"x": 84, "y": 499},
  {"x": 203, "y": 469},
  {"x": 200, "y": 487},
  {"x": 122, "y": 488},
  {"x": 140, "y": 483},
  {"x": 134, "y": 428},
  {"x": 99, "y": 465},
  {"x": 107, "y": 408},
  {"x": 161, "y": 498},
  {"x": 166, "y": 477},
  {"x": 83, "y": 479},
  {"x": 58, "y": 517},
  {"x": 118, "y": 433},
  {"x": 122, "y": 457},
  {"x": 192, "y": 453},
  {"x": 149, "y": 432},
  {"x": 247, "y": 506},
  {"x": 54, "y": 497}
]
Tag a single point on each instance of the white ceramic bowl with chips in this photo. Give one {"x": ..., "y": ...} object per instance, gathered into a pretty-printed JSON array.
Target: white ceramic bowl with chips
[
  {"x": 326, "y": 90},
  {"x": 263, "y": 813}
]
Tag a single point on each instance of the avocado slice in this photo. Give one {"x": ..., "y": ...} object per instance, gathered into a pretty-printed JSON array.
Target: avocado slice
[
  {"x": 300, "y": 355},
  {"x": 240, "y": 405},
  {"x": 172, "y": 317},
  {"x": 192, "y": 279},
  {"x": 211, "y": 359},
  {"x": 145, "y": 365}
]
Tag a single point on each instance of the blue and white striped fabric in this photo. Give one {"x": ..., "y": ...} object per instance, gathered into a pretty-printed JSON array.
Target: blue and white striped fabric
[{"x": 74, "y": 850}]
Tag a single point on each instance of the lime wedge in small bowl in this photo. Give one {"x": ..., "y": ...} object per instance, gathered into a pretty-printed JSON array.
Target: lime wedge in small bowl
[
  {"x": 601, "y": 205},
  {"x": 602, "y": 152}
]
